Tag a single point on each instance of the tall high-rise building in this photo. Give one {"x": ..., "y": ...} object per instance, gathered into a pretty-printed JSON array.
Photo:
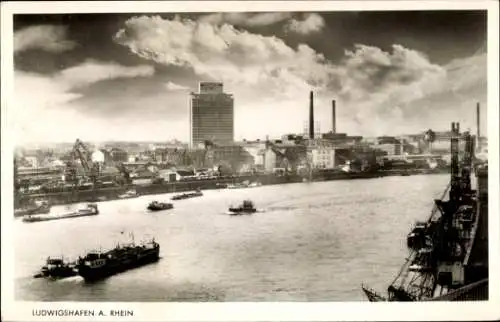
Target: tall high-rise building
[{"x": 211, "y": 115}]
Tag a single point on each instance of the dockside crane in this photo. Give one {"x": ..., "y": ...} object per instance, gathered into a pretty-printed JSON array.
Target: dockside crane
[
  {"x": 437, "y": 261},
  {"x": 81, "y": 154}
]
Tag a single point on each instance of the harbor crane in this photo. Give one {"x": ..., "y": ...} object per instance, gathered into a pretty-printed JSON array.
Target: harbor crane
[
  {"x": 80, "y": 154},
  {"x": 440, "y": 246}
]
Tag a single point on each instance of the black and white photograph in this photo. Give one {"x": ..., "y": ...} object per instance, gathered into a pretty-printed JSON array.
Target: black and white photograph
[{"x": 217, "y": 154}]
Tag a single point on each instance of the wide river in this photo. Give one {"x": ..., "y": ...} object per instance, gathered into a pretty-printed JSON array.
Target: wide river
[{"x": 311, "y": 242}]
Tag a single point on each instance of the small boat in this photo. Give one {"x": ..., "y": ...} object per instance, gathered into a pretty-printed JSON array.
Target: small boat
[
  {"x": 246, "y": 208},
  {"x": 157, "y": 206},
  {"x": 129, "y": 194},
  {"x": 244, "y": 184},
  {"x": 39, "y": 207},
  {"x": 57, "y": 268},
  {"x": 188, "y": 195},
  {"x": 90, "y": 210}
]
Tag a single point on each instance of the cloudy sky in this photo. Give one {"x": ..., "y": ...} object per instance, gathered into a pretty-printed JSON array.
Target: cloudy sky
[{"x": 128, "y": 76}]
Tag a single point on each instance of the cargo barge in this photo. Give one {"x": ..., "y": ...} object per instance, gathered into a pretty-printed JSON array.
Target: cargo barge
[
  {"x": 188, "y": 195},
  {"x": 448, "y": 253},
  {"x": 89, "y": 210},
  {"x": 98, "y": 265},
  {"x": 36, "y": 208}
]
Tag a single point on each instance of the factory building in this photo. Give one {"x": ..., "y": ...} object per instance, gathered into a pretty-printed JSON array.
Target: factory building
[
  {"x": 211, "y": 115},
  {"x": 323, "y": 157}
]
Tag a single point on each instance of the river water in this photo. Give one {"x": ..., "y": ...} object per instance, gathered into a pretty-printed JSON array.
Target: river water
[{"x": 311, "y": 242}]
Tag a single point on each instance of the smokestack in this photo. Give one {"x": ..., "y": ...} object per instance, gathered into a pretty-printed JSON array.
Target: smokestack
[
  {"x": 311, "y": 115},
  {"x": 334, "y": 118},
  {"x": 478, "y": 120}
]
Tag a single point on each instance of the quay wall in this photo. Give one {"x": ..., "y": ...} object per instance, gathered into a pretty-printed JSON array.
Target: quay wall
[{"x": 112, "y": 193}]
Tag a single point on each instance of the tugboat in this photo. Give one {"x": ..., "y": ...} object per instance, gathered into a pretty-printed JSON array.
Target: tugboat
[
  {"x": 56, "y": 268},
  {"x": 90, "y": 210},
  {"x": 157, "y": 206},
  {"x": 246, "y": 208},
  {"x": 39, "y": 207},
  {"x": 98, "y": 265},
  {"x": 195, "y": 194}
]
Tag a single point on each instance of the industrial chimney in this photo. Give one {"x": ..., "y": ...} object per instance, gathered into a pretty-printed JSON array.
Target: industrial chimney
[
  {"x": 334, "y": 118},
  {"x": 478, "y": 120},
  {"x": 311, "y": 115}
]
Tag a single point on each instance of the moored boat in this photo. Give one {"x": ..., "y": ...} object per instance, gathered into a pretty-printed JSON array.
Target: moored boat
[
  {"x": 245, "y": 208},
  {"x": 129, "y": 194},
  {"x": 157, "y": 206},
  {"x": 244, "y": 184},
  {"x": 38, "y": 207},
  {"x": 56, "y": 268},
  {"x": 90, "y": 210},
  {"x": 97, "y": 265},
  {"x": 188, "y": 195}
]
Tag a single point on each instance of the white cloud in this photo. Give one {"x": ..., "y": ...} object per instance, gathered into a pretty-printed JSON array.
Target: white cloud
[
  {"x": 44, "y": 107},
  {"x": 175, "y": 87},
  {"x": 246, "y": 19},
  {"x": 311, "y": 23},
  {"x": 50, "y": 38},
  {"x": 92, "y": 71},
  {"x": 272, "y": 79},
  {"x": 402, "y": 92},
  {"x": 222, "y": 52},
  {"x": 378, "y": 92}
]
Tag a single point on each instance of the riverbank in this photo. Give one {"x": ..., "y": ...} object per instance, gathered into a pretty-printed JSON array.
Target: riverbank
[{"x": 113, "y": 193}]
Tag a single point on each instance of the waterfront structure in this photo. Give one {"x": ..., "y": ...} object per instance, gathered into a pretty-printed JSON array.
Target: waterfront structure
[
  {"x": 390, "y": 145},
  {"x": 211, "y": 115},
  {"x": 270, "y": 157},
  {"x": 256, "y": 149},
  {"x": 323, "y": 157},
  {"x": 233, "y": 156},
  {"x": 118, "y": 155}
]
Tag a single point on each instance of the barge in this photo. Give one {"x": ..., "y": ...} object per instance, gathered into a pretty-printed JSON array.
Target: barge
[
  {"x": 98, "y": 265},
  {"x": 90, "y": 210}
]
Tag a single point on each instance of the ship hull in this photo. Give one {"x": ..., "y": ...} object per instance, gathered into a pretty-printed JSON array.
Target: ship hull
[
  {"x": 27, "y": 212},
  {"x": 48, "y": 218},
  {"x": 186, "y": 196},
  {"x": 57, "y": 273},
  {"x": 116, "y": 267},
  {"x": 160, "y": 207}
]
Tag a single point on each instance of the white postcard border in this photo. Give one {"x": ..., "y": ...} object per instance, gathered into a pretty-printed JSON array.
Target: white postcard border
[{"x": 296, "y": 311}]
